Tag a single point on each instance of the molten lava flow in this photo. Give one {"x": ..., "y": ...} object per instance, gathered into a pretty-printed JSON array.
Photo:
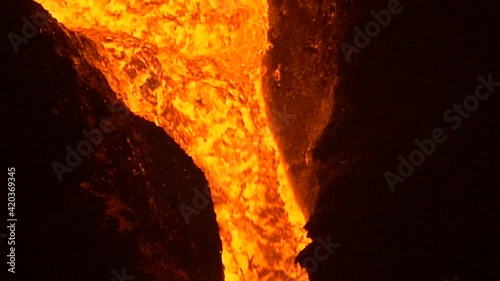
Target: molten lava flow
[{"x": 194, "y": 67}]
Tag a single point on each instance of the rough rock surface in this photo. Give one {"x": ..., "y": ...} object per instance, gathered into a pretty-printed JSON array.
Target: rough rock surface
[
  {"x": 118, "y": 209},
  {"x": 440, "y": 223}
]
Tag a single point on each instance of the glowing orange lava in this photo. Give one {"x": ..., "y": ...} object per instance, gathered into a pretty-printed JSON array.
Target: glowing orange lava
[{"x": 194, "y": 67}]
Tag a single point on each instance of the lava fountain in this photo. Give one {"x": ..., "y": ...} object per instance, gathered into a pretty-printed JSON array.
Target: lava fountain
[{"x": 194, "y": 67}]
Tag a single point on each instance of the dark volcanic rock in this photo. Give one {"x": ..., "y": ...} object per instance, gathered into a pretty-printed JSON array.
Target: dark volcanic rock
[
  {"x": 117, "y": 209},
  {"x": 441, "y": 222},
  {"x": 300, "y": 79}
]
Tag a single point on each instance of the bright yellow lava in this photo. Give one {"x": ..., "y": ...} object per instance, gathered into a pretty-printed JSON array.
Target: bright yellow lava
[{"x": 194, "y": 67}]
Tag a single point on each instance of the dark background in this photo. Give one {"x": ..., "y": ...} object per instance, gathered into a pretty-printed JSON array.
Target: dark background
[{"x": 442, "y": 222}]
